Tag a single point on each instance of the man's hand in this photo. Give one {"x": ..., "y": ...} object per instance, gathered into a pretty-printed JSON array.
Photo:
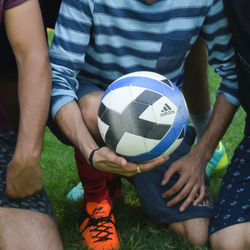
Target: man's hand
[
  {"x": 106, "y": 160},
  {"x": 191, "y": 182},
  {"x": 191, "y": 167},
  {"x": 23, "y": 179}
]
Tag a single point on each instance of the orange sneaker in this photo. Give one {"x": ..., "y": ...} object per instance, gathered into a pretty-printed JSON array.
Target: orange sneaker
[{"x": 98, "y": 230}]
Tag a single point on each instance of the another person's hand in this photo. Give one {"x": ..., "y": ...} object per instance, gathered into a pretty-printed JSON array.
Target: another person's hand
[
  {"x": 24, "y": 178},
  {"x": 106, "y": 160},
  {"x": 190, "y": 185}
]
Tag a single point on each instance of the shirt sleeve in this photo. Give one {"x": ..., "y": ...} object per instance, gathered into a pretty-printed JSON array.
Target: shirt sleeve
[
  {"x": 68, "y": 49},
  {"x": 13, "y": 3},
  {"x": 221, "y": 55}
]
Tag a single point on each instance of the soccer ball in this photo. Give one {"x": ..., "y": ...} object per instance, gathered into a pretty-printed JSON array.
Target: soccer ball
[{"x": 142, "y": 116}]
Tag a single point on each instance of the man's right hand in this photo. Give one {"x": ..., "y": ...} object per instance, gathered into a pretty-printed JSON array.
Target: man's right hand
[
  {"x": 106, "y": 160},
  {"x": 24, "y": 178}
]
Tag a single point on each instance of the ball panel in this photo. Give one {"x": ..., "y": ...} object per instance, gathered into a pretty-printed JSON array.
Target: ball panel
[
  {"x": 166, "y": 81},
  {"x": 148, "y": 97},
  {"x": 149, "y": 74},
  {"x": 143, "y": 82},
  {"x": 158, "y": 131},
  {"x": 183, "y": 132},
  {"x": 173, "y": 147},
  {"x": 121, "y": 97},
  {"x": 150, "y": 144},
  {"x": 166, "y": 143},
  {"x": 103, "y": 127},
  {"x": 128, "y": 147},
  {"x": 164, "y": 111},
  {"x": 148, "y": 115}
]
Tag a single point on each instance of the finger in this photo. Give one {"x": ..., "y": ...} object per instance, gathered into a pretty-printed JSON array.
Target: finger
[
  {"x": 175, "y": 188},
  {"x": 136, "y": 170},
  {"x": 180, "y": 196},
  {"x": 111, "y": 167},
  {"x": 200, "y": 197},
  {"x": 108, "y": 158},
  {"x": 116, "y": 160},
  {"x": 189, "y": 199},
  {"x": 120, "y": 171},
  {"x": 168, "y": 174},
  {"x": 144, "y": 167},
  {"x": 122, "y": 161},
  {"x": 105, "y": 154},
  {"x": 158, "y": 161}
]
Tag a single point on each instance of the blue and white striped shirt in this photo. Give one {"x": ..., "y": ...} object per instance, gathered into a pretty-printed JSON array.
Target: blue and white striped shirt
[{"x": 100, "y": 40}]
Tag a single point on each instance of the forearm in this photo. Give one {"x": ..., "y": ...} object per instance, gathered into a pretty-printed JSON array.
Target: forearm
[
  {"x": 220, "y": 120},
  {"x": 34, "y": 85},
  {"x": 70, "y": 121}
]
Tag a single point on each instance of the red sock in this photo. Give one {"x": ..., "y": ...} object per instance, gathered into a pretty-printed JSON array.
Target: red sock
[{"x": 93, "y": 181}]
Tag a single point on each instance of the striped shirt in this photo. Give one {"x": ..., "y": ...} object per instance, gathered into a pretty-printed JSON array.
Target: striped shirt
[{"x": 100, "y": 40}]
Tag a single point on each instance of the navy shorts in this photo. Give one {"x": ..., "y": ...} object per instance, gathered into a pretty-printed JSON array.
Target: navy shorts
[
  {"x": 233, "y": 201},
  {"x": 150, "y": 191},
  {"x": 38, "y": 202}
]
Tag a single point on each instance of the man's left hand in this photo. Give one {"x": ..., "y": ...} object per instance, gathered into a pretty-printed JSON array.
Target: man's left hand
[{"x": 191, "y": 183}]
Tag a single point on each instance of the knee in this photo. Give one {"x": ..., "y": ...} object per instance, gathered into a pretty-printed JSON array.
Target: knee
[
  {"x": 194, "y": 231},
  {"x": 89, "y": 105},
  {"x": 35, "y": 230},
  {"x": 197, "y": 238},
  {"x": 89, "y": 108}
]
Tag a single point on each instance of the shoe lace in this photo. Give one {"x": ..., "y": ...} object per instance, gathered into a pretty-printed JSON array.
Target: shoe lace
[{"x": 99, "y": 226}]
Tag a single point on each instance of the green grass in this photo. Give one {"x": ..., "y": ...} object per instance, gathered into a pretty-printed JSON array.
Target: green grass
[{"x": 135, "y": 229}]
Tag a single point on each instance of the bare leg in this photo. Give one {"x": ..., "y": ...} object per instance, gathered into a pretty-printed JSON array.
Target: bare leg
[
  {"x": 89, "y": 105},
  {"x": 27, "y": 230},
  {"x": 194, "y": 230},
  {"x": 195, "y": 86},
  {"x": 232, "y": 238}
]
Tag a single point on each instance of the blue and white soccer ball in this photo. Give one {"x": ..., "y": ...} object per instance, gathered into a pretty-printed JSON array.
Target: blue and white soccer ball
[{"x": 142, "y": 116}]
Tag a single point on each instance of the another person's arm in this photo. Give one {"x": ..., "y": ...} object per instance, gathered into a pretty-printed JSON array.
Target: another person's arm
[
  {"x": 191, "y": 168},
  {"x": 26, "y": 35}
]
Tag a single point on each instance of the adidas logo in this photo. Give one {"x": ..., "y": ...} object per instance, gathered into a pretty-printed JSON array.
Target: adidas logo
[{"x": 166, "y": 110}]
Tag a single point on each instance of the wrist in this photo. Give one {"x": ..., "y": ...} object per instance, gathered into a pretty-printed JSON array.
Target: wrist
[
  {"x": 87, "y": 149},
  {"x": 91, "y": 156},
  {"x": 201, "y": 152},
  {"x": 26, "y": 156}
]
